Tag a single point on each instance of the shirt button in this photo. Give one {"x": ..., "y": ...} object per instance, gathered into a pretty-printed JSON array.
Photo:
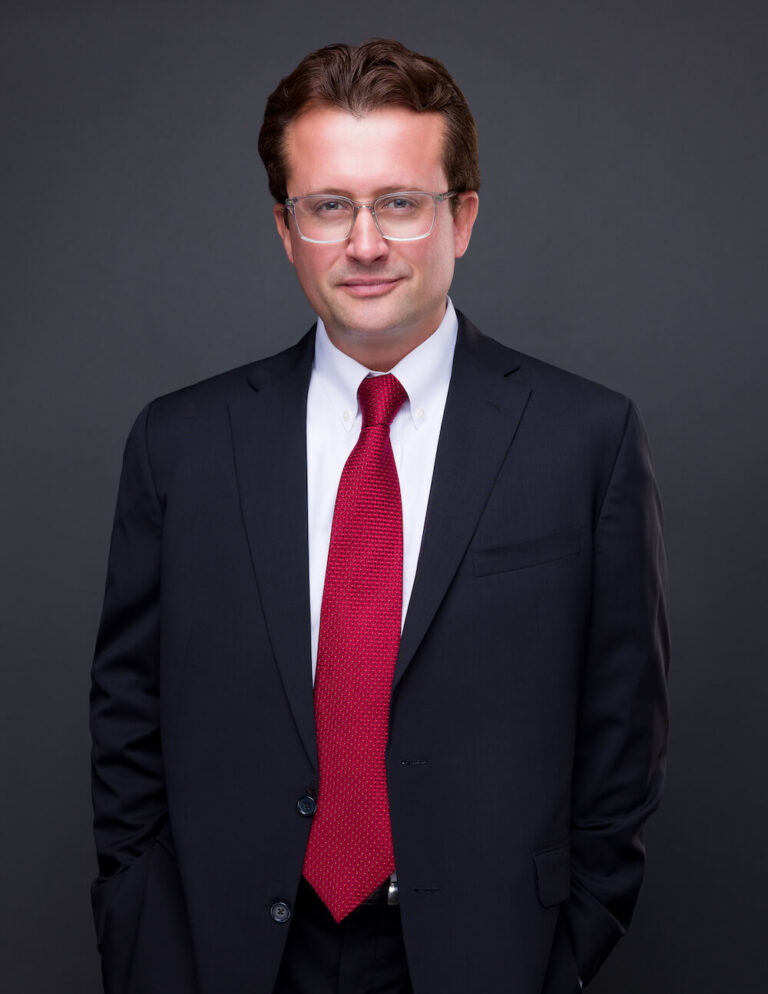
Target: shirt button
[
  {"x": 346, "y": 415},
  {"x": 306, "y": 805},
  {"x": 280, "y": 912},
  {"x": 420, "y": 414}
]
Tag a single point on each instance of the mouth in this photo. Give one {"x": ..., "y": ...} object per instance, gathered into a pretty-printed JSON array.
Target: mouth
[{"x": 370, "y": 286}]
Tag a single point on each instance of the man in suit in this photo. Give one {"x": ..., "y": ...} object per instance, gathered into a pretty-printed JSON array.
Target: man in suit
[{"x": 379, "y": 689}]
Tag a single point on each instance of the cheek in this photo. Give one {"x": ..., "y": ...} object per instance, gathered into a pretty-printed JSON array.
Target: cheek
[
  {"x": 436, "y": 265},
  {"x": 308, "y": 270},
  {"x": 311, "y": 267}
]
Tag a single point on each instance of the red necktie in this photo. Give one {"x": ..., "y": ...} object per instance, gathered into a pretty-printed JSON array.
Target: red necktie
[{"x": 350, "y": 845}]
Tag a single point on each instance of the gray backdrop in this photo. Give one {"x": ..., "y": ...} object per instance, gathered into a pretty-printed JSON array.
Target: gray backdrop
[{"x": 624, "y": 157}]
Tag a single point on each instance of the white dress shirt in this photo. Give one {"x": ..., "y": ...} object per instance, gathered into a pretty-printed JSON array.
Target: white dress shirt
[{"x": 333, "y": 427}]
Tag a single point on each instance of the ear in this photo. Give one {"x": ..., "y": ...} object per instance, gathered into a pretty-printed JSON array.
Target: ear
[
  {"x": 464, "y": 219},
  {"x": 283, "y": 231}
]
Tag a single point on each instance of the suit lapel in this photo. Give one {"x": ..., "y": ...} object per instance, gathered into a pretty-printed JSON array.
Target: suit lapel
[
  {"x": 482, "y": 412},
  {"x": 269, "y": 438}
]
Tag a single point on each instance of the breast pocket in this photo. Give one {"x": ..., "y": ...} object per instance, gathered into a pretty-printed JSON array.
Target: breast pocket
[{"x": 531, "y": 552}]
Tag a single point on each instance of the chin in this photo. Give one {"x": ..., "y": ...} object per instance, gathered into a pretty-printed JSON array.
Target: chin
[{"x": 370, "y": 318}]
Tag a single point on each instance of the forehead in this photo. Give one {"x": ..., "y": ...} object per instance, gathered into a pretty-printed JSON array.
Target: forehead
[{"x": 331, "y": 150}]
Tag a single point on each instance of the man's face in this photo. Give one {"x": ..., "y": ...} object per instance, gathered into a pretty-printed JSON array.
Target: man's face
[{"x": 378, "y": 299}]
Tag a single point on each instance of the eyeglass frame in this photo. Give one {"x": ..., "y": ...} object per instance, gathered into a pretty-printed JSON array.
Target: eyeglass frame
[{"x": 357, "y": 206}]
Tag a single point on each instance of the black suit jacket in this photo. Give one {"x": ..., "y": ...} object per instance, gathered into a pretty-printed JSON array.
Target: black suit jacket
[{"x": 528, "y": 715}]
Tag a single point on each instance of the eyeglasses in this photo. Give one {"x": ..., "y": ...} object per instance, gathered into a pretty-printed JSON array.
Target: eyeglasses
[{"x": 404, "y": 216}]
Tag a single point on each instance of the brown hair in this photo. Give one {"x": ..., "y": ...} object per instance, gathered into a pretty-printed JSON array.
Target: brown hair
[{"x": 362, "y": 78}]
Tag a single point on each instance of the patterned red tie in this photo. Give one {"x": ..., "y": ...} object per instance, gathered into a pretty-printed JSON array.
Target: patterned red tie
[{"x": 350, "y": 845}]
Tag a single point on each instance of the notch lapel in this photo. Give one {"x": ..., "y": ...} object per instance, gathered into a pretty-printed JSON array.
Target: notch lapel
[
  {"x": 482, "y": 412},
  {"x": 270, "y": 444}
]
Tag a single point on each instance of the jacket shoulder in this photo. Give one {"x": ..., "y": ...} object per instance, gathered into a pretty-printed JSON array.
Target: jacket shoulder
[
  {"x": 232, "y": 384},
  {"x": 175, "y": 426},
  {"x": 561, "y": 392}
]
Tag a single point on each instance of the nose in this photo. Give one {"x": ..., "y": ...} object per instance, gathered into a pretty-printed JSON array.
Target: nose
[{"x": 366, "y": 243}]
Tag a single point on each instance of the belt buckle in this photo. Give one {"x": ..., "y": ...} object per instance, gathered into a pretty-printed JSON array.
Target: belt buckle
[
  {"x": 393, "y": 893},
  {"x": 385, "y": 894}
]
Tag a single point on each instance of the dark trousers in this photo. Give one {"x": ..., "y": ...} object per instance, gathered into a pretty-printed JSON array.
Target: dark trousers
[{"x": 364, "y": 954}]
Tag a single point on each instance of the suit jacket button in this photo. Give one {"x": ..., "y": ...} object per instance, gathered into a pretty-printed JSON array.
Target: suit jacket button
[
  {"x": 280, "y": 912},
  {"x": 306, "y": 806}
]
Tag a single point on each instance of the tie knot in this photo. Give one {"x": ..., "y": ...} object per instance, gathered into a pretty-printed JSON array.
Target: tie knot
[{"x": 381, "y": 397}]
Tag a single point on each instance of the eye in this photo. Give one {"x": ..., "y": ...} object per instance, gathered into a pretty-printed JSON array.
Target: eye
[
  {"x": 397, "y": 204},
  {"x": 324, "y": 208}
]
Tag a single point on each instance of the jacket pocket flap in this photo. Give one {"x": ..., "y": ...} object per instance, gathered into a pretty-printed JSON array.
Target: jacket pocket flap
[
  {"x": 532, "y": 552},
  {"x": 553, "y": 874}
]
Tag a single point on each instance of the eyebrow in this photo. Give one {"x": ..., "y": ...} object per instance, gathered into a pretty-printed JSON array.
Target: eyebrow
[{"x": 382, "y": 191}]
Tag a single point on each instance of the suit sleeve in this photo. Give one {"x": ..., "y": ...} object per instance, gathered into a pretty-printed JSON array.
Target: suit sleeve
[
  {"x": 128, "y": 785},
  {"x": 622, "y": 729}
]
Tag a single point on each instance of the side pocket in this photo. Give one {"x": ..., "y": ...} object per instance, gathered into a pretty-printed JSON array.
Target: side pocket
[{"x": 553, "y": 874}]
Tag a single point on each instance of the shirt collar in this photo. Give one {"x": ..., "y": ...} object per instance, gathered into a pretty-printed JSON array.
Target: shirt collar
[{"x": 424, "y": 373}]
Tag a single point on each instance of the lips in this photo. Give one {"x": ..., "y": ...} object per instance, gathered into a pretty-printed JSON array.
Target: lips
[{"x": 369, "y": 287}]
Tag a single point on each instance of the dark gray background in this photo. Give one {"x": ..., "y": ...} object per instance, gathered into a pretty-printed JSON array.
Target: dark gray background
[{"x": 624, "y": 157}]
